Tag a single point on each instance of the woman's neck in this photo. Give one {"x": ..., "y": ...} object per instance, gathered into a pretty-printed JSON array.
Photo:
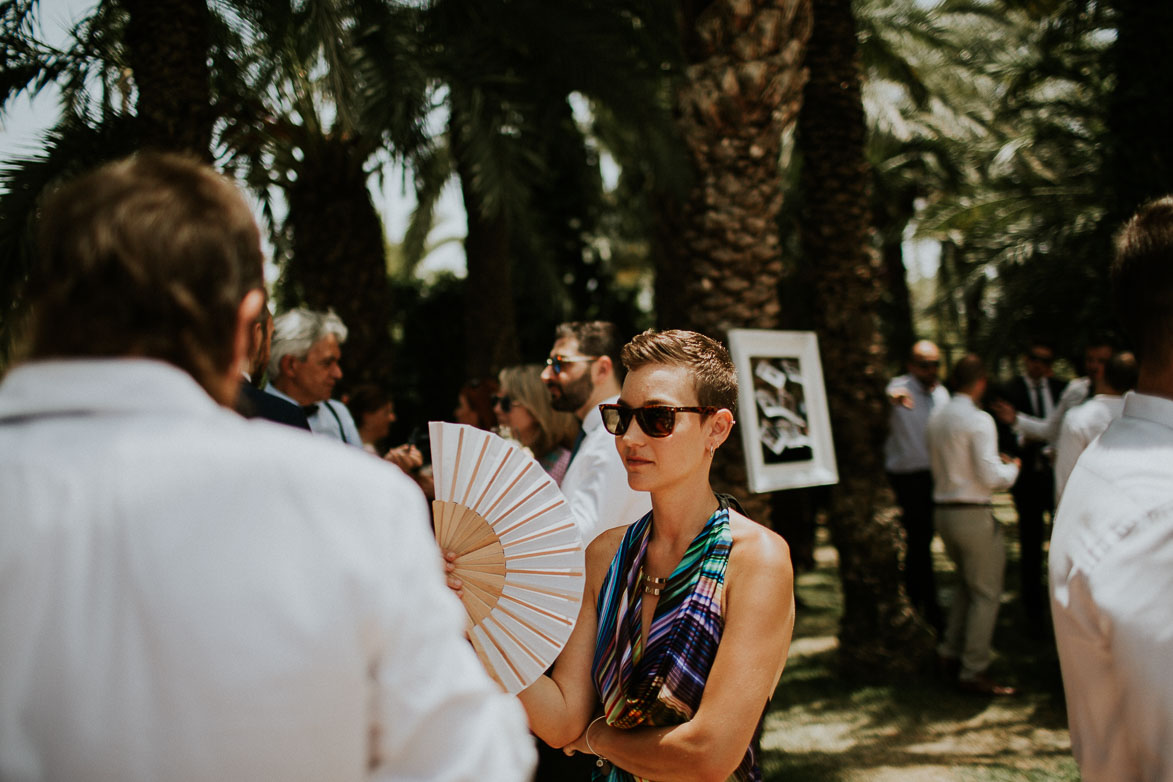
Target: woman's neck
[{"x": 679, "y": 515}]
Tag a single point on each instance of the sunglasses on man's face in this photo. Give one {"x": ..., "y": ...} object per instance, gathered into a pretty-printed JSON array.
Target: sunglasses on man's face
[
  {"x": 504, "y": 400},
  {"x": 1048, "y": 360},
  {"x": 556, "y": 362},
  {"x": 655, "y": 420}
]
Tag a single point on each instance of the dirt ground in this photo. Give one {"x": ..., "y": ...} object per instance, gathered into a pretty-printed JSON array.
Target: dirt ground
[{"x": 822, "y": 728}]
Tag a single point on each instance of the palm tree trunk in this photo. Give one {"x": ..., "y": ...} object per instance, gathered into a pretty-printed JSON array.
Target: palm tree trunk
[
  {"x": 719, "y": 251},
  {"x": 339, "y": 257},
  {"x": 879, "y": 632},
  {"x": 490, "y": 340},
  {"x": 167, "y": 48}
]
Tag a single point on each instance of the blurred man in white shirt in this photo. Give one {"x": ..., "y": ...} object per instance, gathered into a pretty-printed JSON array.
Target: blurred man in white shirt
[
  {"x": 1087, "y": 421},
  {"x": 1111, "y": 561},
  {"x": 188, "y": 595},
  {"x": 967, "y": 470}
]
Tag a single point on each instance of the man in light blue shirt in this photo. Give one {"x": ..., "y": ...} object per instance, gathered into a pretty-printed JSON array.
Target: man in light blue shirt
[{"x": 912, "y": 397}]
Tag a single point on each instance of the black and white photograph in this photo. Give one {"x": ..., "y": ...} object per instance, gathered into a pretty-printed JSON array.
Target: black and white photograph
[{"x": 785, "y": 427}]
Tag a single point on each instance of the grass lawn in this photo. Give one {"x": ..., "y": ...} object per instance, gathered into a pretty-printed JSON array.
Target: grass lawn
[{"x": 822, "y": 728}]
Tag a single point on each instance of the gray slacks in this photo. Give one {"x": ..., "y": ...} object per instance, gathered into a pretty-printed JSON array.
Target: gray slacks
[{"x": 973, "y": 540}]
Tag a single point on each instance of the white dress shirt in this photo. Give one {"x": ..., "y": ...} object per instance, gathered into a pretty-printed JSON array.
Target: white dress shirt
[
  {"x": 1111, "y": 572},
  {"x": 1080, "y": 426},
  {"x": 963, "y": 448},
  {"x": 187, "y": 595},
  {"x": 1046, "y": 428},
  {"x": 331, "y": 418},
  {"x": 907, "y": 449},
  {"x": 595, "y": 484}
]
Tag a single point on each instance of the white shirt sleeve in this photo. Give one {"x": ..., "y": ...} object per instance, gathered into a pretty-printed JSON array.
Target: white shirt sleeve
[
  {"x": 991, "y": 470},
  {"x": 437, "y": 715},
  {"x": 1072, "y": 442},
  {"x": 1047, "y": 429}
]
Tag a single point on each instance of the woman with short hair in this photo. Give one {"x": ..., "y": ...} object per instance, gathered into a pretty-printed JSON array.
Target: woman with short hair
[{"x": 688, "y": 612}]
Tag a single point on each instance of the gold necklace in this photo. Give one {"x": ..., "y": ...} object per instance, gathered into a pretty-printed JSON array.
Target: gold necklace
[{"x": 654, "y": 586}]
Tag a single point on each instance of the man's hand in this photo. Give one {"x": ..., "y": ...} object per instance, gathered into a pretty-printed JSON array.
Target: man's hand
[
  {"x": 406, "y": 457},
  {"x": 900, "y": 396},
  {"x": 1003, "y": 411}
]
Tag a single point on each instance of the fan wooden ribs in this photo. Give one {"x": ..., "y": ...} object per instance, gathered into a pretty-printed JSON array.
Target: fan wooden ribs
[{"x": 518, "y": 551}]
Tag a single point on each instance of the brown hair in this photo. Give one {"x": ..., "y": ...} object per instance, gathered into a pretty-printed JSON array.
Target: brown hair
[
  {"x": 148, "y": 256},
  {"x": 478, "y": 393},
  {"x": 594, "y": 338},
  {"x": 523, "y": 384},
  {"x": 968, "y": 371},
  {"x": 1142, "y": 278},
  {"x": 713, "y": 374}
]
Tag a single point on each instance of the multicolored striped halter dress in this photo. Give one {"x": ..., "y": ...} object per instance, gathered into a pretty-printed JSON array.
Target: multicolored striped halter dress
[{"x": 662, "y": 684}]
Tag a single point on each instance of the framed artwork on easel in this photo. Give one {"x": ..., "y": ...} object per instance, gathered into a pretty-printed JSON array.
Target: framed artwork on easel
[{"x": 785, "y": 425}]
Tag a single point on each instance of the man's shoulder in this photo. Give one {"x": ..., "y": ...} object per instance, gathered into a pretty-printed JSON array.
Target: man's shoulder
[{"x": 254, "y": 403}]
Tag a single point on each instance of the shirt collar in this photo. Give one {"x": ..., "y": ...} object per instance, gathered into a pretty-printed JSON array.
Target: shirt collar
[
  {"x": 272, "y": 389},
  {"x": 1147, "y": 407},
  {"x": 594, "y": 418},
  {"x": 101, "y": 385}
]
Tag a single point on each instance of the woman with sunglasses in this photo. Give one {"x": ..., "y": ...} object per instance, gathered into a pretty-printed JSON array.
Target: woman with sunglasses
[
  {"x": 523, "y": 406},
  {"x": 687, "y": 615}
]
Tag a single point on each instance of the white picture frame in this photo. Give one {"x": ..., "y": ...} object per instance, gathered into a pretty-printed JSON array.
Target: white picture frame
[{"x": 783, "y": 417}]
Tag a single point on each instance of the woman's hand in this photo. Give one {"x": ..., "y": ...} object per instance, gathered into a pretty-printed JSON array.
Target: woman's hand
[
  {"x": 406, "y": 457},
  {"x": 454, "y": 583}
]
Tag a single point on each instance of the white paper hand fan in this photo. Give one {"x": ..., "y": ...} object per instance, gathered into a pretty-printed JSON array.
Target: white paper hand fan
[{"x": 519, "y": 551}]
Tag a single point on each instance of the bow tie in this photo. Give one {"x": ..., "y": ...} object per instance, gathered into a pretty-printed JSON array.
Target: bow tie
[{"x": 309, "y": 410}]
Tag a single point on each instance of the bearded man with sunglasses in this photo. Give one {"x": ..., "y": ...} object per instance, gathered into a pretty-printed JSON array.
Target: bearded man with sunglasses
[{"x": 582, "y": 372}]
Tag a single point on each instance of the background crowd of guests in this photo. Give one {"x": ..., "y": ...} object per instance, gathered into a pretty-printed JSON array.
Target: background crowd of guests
[
  {"x": 191, "y": 595},
  {"x": 950, "y": 450},
  {"x": 1096, "y": 454}
]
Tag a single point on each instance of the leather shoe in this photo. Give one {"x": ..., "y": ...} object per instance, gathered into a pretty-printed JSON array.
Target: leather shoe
[
  {"x": 948, "y": 668},
  {"x": 983, "y": 685}
]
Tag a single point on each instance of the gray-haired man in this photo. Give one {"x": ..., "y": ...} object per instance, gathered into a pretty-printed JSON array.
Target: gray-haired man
[{"x": 303, "y": 369}]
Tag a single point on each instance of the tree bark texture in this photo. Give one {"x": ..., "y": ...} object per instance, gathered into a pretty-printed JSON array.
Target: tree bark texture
[
  {"x": 879, "y": 633},
  {"x": 167, "y": 48},
  {"x": 490, "y": 332},
  {"x": 339, "y": 259},
  {"x": 719, "y": 253}
]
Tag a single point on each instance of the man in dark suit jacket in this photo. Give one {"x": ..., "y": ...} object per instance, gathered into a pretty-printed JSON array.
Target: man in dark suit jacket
[
  {"x": 252, "y": 402},
  {"x": 1036, "y": 393}
]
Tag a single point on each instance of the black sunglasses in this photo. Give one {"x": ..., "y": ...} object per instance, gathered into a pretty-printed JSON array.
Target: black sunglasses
[
  {"x": 655, "y": 420},
  {"x": 556, "y": 362},
  {"x": 504, "y": 400},
  {"x": 1048, "y": 360}
]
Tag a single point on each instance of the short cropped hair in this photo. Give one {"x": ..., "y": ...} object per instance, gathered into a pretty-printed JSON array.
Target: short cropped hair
[
  {"x": 595, "y": 338},
  {"x": 969, "y": 370},
  {"x": 706, "y": 359},
  {"x": 1142, "y": 279},
  {"x": 149, "y": 256},
  {"x": 296, "y": 331},
  {"x": 524, "y": 386},
  {"x": 1121, "y": 371}
]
